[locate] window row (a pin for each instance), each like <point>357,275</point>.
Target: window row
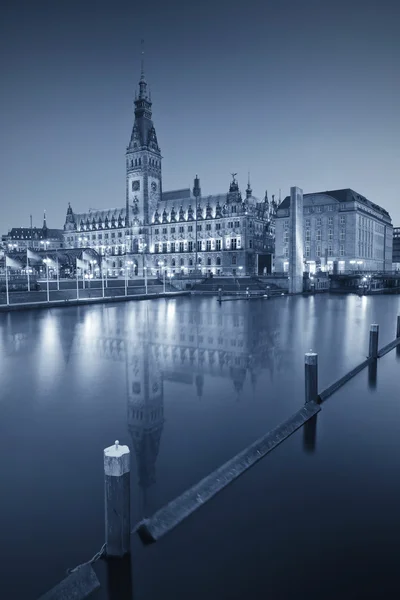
<point>208,227</point>
<point>202,245</point>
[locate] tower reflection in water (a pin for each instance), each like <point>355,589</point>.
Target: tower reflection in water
<point>186,346</point>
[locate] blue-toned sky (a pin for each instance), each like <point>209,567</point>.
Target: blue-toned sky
<point>299,92</point>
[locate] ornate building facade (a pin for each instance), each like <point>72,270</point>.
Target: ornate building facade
<point>225,234</point>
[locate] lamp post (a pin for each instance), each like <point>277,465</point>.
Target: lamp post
<point>127,262</point>
<point>170,275</point>
<point>145,278</point>
<point>57,271</point>
<point>144,246</point>
<point>161,264</point>
<point>46,261</point>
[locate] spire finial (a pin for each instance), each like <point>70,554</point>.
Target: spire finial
<point>249,191</point>
<point>142,60</point>
<point>44,220</point>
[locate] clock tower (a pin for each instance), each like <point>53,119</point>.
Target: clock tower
<point>143,162</point>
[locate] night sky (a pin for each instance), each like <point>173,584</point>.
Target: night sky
<point>297,92</point>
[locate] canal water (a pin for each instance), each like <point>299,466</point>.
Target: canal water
<point>187,383</point>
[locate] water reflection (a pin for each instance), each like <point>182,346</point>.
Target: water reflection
<point>310,435</point>
<point>119,578</point>
<point>372,374</point>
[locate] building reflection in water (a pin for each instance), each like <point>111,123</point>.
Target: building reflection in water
<point>160,342</point>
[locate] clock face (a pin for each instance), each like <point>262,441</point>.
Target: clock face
<point>154,186</point>
<point>135,186</point>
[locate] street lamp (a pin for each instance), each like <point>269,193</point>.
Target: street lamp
<point>127,262</point>
<point>144,246</point>
<point>170,275</point>
<point>240,270</point>
<point>145,278</point>
<point>46,261</point>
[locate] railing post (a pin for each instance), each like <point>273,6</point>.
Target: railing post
<point>398,327</point>
<point>373,341</point>
<point>311,376</point>
<point>117,500</point>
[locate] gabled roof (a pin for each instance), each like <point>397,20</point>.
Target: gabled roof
<point>33,233</point>
<point>176,195</point>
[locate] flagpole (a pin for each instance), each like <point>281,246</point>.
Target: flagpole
<point>47,274</point>
<point>126,281</point>
<point>58,275</point>
<point>7,295</point>
<point>77,281</point>
<point>27,271</point>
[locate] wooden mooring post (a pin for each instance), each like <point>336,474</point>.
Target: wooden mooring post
<point>117,500</point>
<point>373,341</point>
<point>398,327</point>
<point>311,376</point>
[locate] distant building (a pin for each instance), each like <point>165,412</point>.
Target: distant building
<point>396,248</point>
<point>19,239</point>
<point>225,234</point>
<point>342,230</point>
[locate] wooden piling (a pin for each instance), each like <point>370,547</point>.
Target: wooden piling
<point>117,499</point>
<point>311,376</point>
<point>219,295</point>
<point>373,340</point>
<point>398,327</point>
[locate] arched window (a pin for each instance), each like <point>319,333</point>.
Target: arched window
<point>140,162</point>
<point>135,162</point>
<point>132,163</point>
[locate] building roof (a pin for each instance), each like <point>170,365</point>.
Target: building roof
<point>28,233</point>
<point>344,195</point>
<point>177,200</point>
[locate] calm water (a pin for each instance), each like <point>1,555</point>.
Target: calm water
<point>187,383</point>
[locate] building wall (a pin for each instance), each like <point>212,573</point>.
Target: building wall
<point>396,248</point>
<point>349,233</point>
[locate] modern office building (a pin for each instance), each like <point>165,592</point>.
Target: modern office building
<point>341,230</point>
<point>223,234</point>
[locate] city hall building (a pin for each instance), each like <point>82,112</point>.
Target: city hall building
<point>341,230</point>
<point>225,234</point>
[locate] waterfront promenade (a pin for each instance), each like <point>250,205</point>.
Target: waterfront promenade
<point>215,378</point>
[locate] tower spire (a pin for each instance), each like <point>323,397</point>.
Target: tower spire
<point>249,191</point>
<point>44,220</point>
<point>142,82</point>
<point>142,61</point>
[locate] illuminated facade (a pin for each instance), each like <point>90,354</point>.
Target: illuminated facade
<point>341,229</point>
<point>226,234</point>
<point>396,248</point>
<point>19,239</point>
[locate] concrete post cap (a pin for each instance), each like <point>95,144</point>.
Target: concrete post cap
<point>374,327</point>
<point>311,358</point>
